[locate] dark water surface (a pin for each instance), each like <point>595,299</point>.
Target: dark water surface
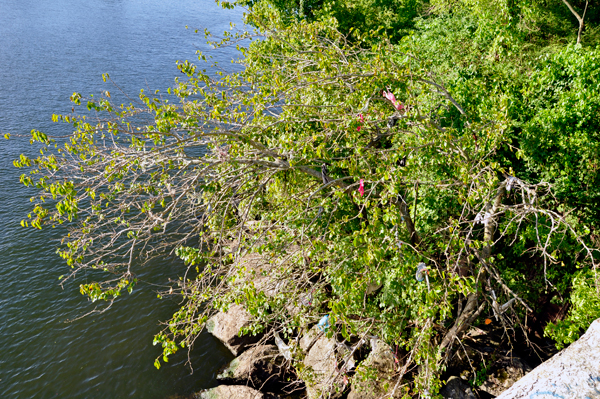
<point>48,50</point>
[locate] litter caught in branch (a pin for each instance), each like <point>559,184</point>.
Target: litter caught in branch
<point>324,323</point>
<point>283,348</point>
<point>482,217</point>
<point>422,274</point>
<point>391,98</point>
<point>306,299</point>
<point>510,182</point>
<point>391,122</point>
<point>324,176</point>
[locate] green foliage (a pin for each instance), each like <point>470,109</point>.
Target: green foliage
<point>391,18</point>
<point>560,133</point>
<point>585,302</point>
<point>482,373</point>
<point>298,188</point>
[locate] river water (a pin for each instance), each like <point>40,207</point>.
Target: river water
<point>48,50</point>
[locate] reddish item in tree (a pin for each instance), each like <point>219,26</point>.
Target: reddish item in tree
<point>361,119</point>
<point>390,96</point>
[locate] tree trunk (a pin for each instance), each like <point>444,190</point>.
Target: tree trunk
<point>580,18</point>
<point>571,373</point>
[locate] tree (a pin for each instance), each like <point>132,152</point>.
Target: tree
<point>394,18</point>
<point>348,167</point>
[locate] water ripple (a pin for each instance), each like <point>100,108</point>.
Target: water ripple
<point>49,50</point>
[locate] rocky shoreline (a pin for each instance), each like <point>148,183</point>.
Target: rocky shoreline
<point>264,371</point>
<point>315,362</point>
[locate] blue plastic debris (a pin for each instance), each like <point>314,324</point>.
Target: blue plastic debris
<point>421,271</point>
<point>324,323</point>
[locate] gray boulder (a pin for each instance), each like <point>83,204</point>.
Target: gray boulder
<point>572,373</point>
<point>259,367</point>
<point>320,372</point>
<point>381,361</point>
<point>226,327</point>
<point>229,392</point>
<point>455,388</point>
<point>253,270</point>
<point>504,374</point>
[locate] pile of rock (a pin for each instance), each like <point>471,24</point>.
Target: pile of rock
<point>256,368</point>
<point>322,367</point>
<point>383,361</point>
<point>325,366</point>
<point>262,370</point>
<point>259,369</point>
<point>572,373</point>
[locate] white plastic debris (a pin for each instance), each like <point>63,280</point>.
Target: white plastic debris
<point>478,218</point>
<point>283,348</point>
<point>347,356</point>
<point>510,182</point>
<point>306,299</point>
<point>350,363</point>
<point>483,218</point>
<point>373,343</point>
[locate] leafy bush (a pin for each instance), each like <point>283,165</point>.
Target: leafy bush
<point>346,165</point>
<point>585,302</point>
